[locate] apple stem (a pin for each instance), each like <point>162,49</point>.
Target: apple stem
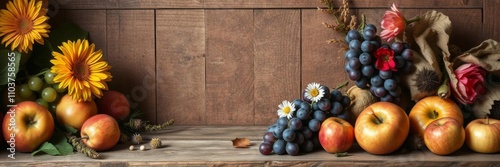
<point>84,137</point>
<point>378,119</point>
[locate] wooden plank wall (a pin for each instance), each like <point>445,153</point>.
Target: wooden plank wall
<point>231,62</point>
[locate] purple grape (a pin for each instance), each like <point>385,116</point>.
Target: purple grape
<point>306,106</point>
<point>307,146</point>
<point>354,74</point>
<point>345,115</point>
<point>390,84</point>
<point>299,138</point>
<point>396,92</point>
<point>278,131</point>
<point>353,34</point>
<point>371,26</point>
<point>387,98</point>
<point>324,104</point>
<point>362,82</point>
<point>336,95</point>
<point>269,137</point>
<point>346,101</point>
<point>282,121</point>
<point>295,124</point>
<point>289,135</point>
<point>366,46</point>
<point>266,148</point>
<point>351,53</point>
<point>319,115</point>
<point>380,91</point>
<point>400,62</point>
<point>408,67</point>
<point>307,132</point>
<point>297,102</point>
<point>314,125</point>
<point>292,148</point>
<point>368,70</point>
<point>354,63</point>
<point>407,54</point>
<point>387,46</point>
<point>365,58</point>
<point>376,81</point>
<point>337,108</point>
<point>279,147</point>
<point>355,44</point>
<point>397,47</point>
<point>302,114</point>
<point>369,34</point>
<point>385,74</point>
<point>375,43</point>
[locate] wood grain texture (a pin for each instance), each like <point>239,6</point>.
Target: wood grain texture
<point>491,22</point>
<point>212,146</point>
<point>218,4</point>
<point>277,61</point>
<point>321,62</point>
<point>467,27</point>
<point>229,67</point>
<point>180,41</point>
<point>92,21</point>
<point>130,39</point>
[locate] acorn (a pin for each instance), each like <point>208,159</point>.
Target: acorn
<point>155,143</point>
<point>427,80</point>
<point>136,138</point>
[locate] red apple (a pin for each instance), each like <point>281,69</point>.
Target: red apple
<point>114,104</point>
<point>73,113</point>
<point>444,136</point>
<point>100,132</point>
<point>483,135</point>
<point>336,135</point>
<point>27,125</point>
<point>432,108</point>
<point>381,128</point>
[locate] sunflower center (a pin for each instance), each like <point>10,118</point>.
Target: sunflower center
<point>286,110</point>
<point>25,25</point>
<point>81,71</point>
<point>314,92</point>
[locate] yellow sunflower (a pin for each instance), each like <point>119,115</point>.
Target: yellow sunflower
<point>81,70</point>
<point>22,24</point>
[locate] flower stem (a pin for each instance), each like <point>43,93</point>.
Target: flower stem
<point>411,20</point>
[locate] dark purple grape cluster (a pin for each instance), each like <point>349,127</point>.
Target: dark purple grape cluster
<point>299,134</point>
<point>361,63</point>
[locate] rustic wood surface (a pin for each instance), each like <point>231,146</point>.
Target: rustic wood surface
<point>212,62</point>
<point>212,146</point>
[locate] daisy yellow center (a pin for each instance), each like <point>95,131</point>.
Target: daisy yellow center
<point>81,71</point>
<point>25,25</point>
<point>314,92</point>
<point>286,110</point>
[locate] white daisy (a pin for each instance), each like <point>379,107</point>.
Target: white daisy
<point>314,92</point>
<point>286,109</point>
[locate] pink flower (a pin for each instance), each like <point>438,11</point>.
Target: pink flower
<point>393,24</point>
<point>385,59</point>
<point>470,83</point>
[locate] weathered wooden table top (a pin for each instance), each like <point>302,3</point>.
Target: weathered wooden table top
<point>212,146</point>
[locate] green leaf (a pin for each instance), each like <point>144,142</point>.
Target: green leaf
<point>48,148</point>
<point>70,129</point>
<point>342,154</point>
<point>57,145</point>
<point>9,66</point>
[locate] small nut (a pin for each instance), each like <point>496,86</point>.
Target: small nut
<point>131,148</point>
<point>142,148</point>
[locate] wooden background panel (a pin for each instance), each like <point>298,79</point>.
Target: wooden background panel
<point>180,46</point>
<point>466,27</point>
<point>92,21</point>
<point>277,61</point>
<point>229,67</point>
<point>490,20</point>
<point>130,41</point>
<point>321,62</point>
<point>250,4</point>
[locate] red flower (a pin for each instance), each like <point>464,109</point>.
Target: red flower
<point>470,83</point>
<point>393,23</point>
<point>385,59</point>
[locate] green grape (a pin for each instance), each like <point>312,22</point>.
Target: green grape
<point>52,107</point>
<point>49,77</point>
<point>35,83</point>
<point>58,90</point>
<point>25,91</point>
<point>49,94</point>
<point>43,103</point>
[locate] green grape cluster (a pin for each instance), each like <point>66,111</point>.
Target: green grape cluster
<point>46,92</point>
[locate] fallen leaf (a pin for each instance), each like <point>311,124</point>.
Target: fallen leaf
<point>241,142</point>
